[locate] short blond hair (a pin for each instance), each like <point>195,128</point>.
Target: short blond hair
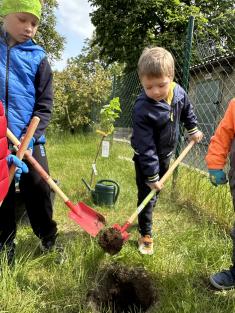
<point>156,62</point>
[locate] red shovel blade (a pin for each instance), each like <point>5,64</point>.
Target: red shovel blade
<point>87,218</point>
<point>124,233</point>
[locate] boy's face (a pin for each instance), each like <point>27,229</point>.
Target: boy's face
<point>156,88</point>
<point>20,26</point>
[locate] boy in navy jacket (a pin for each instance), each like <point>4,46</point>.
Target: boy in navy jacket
<point>26,91</point>
<point>158,110</point>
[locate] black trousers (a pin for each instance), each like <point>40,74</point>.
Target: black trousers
<point>231,177</point>
<point>36,194</point>
<point>145,217</point>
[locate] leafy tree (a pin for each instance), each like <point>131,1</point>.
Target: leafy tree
<point>81,90</point>
<point>47,36</point>
<point>125,27</point>
<point>108,114</point>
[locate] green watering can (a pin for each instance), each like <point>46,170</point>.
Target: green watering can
<point>105,193</point>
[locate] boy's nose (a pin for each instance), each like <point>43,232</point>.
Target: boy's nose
<point>156,91</point>
<point>28,28</point>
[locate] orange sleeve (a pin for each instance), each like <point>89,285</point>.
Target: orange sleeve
<point>220,143</point>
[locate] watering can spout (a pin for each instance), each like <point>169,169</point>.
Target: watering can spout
<point>87,185</point>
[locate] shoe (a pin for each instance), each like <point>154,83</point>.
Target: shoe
<point>223,280</point>
<point>48,246</point>
<point>146,245</point>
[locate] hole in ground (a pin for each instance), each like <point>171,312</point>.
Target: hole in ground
<point>123,290</point>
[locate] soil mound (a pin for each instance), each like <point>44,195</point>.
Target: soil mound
<point>111,240</point>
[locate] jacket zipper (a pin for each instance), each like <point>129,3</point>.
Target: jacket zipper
<point>172,137</point>
<point>7,82</point>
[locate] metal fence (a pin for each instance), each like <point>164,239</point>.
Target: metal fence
<point>206,69</point>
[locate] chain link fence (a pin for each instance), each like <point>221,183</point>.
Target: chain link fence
<point>205,67</point>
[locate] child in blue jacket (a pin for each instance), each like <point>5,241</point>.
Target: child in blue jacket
<point>26,91</point>
<point>158,110</point>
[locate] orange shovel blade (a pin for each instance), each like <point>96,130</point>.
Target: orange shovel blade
<point>87,218</point>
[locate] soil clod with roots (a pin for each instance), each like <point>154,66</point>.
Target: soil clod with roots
<point>111,240</point>
<point>123,290</point>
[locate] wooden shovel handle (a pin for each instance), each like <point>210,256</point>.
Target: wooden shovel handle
<point>38,167</point>
<point>162,180</point>
<point>24,144</point>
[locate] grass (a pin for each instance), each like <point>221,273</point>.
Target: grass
<point>189,244</point>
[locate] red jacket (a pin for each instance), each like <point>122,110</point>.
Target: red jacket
<point>221,142</point>
<point>4,178</point>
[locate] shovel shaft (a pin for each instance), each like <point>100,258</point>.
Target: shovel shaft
<point>87,218</point>
<point>24,144</point>
<point>38,167</point>
<point>162,181</point>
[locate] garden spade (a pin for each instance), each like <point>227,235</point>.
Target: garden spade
<point>86,217</point>
<point>113,238</point>
<point>128,223</point>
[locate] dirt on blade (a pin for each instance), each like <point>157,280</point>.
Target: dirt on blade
<point>111,240</point>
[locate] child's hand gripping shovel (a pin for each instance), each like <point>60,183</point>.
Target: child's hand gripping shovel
<point>112,239</point>
<point>86,217</point>
<point>24,145</point>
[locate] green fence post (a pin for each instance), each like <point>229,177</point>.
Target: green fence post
<point>187,54</point>
<point>185,85</point>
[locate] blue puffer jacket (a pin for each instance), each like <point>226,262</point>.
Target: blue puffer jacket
<point>19,66</point>
<point>156,129</point>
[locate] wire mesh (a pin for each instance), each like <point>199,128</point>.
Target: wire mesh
<point>211,85</point>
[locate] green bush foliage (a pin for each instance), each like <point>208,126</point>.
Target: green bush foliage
<point>80,91</point>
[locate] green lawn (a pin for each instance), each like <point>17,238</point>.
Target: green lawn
<point>189,244</point>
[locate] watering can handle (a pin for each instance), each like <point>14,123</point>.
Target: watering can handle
<point>115,183</point>
<point>86,184</point>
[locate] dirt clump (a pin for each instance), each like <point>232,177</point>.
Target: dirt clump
<point>111,240</point>
<point>123,290</point>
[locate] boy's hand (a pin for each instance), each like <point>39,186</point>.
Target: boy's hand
<point>156,185</point>
<point>21,167</point>
<point>217,177</point>
<point>197,137</point>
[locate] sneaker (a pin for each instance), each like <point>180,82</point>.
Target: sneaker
<point>223,280</point>
<point>47,245</point>
<point>146,244</point>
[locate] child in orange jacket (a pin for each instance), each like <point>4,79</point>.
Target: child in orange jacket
<point>223,143</point>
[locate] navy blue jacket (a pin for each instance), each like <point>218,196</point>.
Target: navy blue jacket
<point>156,129</point>
<point>25,86</point>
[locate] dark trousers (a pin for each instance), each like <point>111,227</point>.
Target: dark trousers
<point>231,177</point>
<point>36,195</point>
<point>145,217</point>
